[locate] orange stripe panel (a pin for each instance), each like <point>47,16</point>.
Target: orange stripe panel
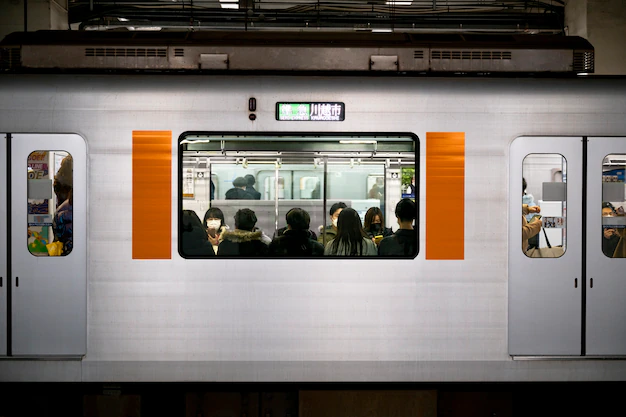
<point>152,194</point>
<point>445,195</point>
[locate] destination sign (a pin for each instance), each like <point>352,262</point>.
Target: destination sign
<point>316,112</point>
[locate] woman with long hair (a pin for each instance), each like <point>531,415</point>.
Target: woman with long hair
<point>351,239</point>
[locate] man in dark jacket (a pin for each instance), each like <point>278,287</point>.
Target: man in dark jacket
<point>242,241</point>
<point>296,240</point>
<point>404,241</point>
<point>250,181</point>
<point>238,192</point>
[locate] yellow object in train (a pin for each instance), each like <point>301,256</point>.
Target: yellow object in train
<point>38,245</point>
<point>55,248</point>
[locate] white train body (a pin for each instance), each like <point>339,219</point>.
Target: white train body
<point>329,319</point>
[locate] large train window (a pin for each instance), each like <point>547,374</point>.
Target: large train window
<point>613,206</point>
<point>544,205</point>
<point>50,208</point>
<point>251,195</point>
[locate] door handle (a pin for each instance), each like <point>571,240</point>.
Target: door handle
<point>575,282</point>
<point>17,281</point>
<point>591,282</point>
<point>0,282</point>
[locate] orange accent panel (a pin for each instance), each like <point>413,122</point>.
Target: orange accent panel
<point>445,195</point>
<point>152,194</point>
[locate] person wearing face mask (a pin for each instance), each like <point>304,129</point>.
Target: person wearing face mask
<point>374,225</point>
<point>330,231</point>
<point>215,226</point>
<point>404,241</point>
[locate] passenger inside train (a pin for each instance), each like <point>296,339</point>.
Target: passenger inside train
<point>330,231</point>
<point>195,242</point>
<point>296,240</point>
<point>612,236</point>
<point>264,175</point>
<point>62,223</point>
<point>351,239</point>
<point>215,226</point>
<point>238,192</point>
<point>250,181</point>
<point>282,230</point>
<point>403,241</point>
<point>374,225</point>
<point>245,240</point>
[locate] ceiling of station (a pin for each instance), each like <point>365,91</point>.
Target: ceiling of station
<point>342,15</point>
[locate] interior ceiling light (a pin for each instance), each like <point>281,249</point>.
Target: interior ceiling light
<point>397,3</point>
<point>229,4</point>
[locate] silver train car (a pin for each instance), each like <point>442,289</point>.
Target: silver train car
<point>481,299</point>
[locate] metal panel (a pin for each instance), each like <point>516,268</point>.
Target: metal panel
<point>214,61</point>
<point>545,294</point>
<point>4,285</point>
<point>49,304</point>
<point>606,311</point>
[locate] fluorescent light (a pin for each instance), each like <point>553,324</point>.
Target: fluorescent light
<point>369,142</point>
<point>382,30</point>
<point>229,4</point>
<point>397,3</point>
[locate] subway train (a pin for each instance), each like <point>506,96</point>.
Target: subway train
<point>512,151</point>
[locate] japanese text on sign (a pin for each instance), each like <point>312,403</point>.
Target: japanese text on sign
<point>333,112</point>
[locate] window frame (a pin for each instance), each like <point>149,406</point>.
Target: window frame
<point>322,136</point>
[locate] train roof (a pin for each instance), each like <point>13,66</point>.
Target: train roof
<point>232,51</point>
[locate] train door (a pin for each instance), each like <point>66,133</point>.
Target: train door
<point>567,280</point>
<point>3,252</point>
<point>545,274</point>
<point>605,286</point>
<point>47,284</point>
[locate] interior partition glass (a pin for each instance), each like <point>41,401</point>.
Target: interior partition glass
<point>614,206</point>
<point>544,205</point>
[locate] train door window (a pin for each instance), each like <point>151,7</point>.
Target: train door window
<point>270,175</point>
<point>50,203</point>
<point>614,206</point>
<point>273,189</point>
<point>544,205</point>
<point>309,188</point>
